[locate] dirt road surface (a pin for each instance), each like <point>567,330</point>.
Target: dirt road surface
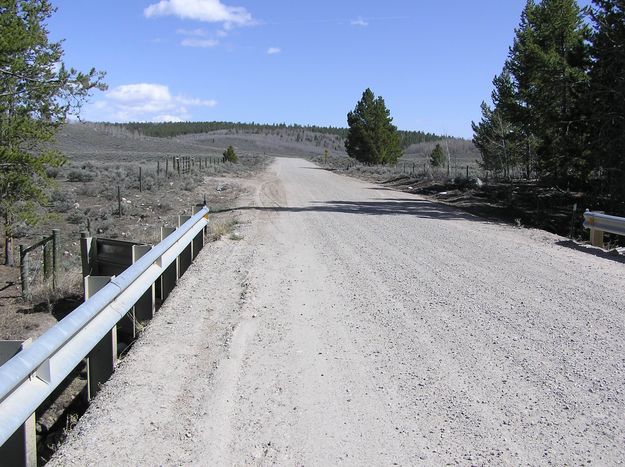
<point>359,326</point>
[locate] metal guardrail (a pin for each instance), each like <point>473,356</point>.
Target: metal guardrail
<point>30,376</point>
<point>598,223</point>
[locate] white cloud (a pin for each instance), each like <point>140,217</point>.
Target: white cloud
<point>145,102</point>
<point>199,32</point>
<point>273,50</point>
<point>197,102</point>
<point>204,43</point>
<point>210,11</point>
<point>167,118</point>
<point>359,22</point>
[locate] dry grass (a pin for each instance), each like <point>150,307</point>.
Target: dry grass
<point>69,284</point>
<point>222,227</point>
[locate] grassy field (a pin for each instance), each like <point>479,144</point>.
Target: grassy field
<point>84,197</point>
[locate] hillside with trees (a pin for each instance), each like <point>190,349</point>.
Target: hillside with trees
<point>173,129</point>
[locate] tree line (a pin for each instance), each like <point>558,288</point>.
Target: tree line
<point>172,129</point>
<point>558,105</point>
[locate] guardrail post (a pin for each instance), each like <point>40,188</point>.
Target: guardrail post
<point>24,271</point>
<point>170,274</point>
<point>86,253</point>
<point>596,235</point>
<point>101,361</point>
<point>186,256</point>
<point>21,448</point>
<point>144,308</point>
<point>198,241</point>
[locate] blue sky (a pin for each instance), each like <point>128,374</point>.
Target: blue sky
<point>289,61</point>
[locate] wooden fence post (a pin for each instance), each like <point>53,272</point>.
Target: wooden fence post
<point>119,201</point>
<point>140,180</point>
<point>56,257</point>
<point>24,271</point>
<point>47,260</point>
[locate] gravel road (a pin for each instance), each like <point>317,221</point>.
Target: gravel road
<point>362,326</point>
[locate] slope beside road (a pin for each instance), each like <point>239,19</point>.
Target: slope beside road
<point>358,325</point>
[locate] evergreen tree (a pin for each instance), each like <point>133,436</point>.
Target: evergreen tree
<point>36,94</point>
<point>607,93</point>
<point>372,138</point>
<point>497,137</point>
<point>437,157</point>
<point>548,63</point>
<point>230,155</point>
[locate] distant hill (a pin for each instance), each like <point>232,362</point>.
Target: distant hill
<point>172,129</point>
<point>134,141</point>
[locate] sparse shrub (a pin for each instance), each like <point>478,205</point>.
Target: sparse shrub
<point>20,229</point>
<point>61,201</point>
<point>87,190</point>
<point>76,217</point>
<point>188,184</point>
<point>103,225</point>
<point>80,175</point>
<point>109,192</point>
<point>164,207</point>
<point>52,172</point>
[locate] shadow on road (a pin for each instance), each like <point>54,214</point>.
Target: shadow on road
<point>386,207</point>
<point>592,251</point>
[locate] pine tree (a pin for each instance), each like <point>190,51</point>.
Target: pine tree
<point>497,137</point>
<point>548,63</point>
<point>437,157</point>
<point>607,93</point>
<point>230,155</point>
<point>372,138</point>
<point>36,94</point>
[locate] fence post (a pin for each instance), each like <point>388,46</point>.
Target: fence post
<point>467,172</point>
<point>119,201</point>
<point>158,168</point>
<point>24,271</point>
<point>56,257</point>
<point>140,180</point>
<point>47,259</point>
<point>178,165</point>
<point>166,167</point>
